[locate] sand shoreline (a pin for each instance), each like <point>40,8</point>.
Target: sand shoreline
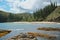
<point>38,22</point>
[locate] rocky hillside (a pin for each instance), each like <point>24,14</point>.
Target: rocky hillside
<point>54,16</point>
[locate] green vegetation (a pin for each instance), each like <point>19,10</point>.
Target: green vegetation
<point>10,17</point>
<point>54,16</point>
<point>48,13</point>
<point>41,14</point>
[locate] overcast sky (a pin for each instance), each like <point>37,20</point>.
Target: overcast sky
<point>18,6</point>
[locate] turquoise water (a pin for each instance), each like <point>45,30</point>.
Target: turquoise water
<point>18,28</point>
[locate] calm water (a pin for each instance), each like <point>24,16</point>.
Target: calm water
<point>18,28</point>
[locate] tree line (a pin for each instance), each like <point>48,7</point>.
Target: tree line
<point>39,15</point>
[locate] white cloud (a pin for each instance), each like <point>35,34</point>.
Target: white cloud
<point>15,5</point>
<point>38,4</point>
<point>46,3</point>
<point>28,4</point>
<point>58,4</point>
<point>1,9</point>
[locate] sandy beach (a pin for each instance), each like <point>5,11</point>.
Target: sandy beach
<point>38,22</point>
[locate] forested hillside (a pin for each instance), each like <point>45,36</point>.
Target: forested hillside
<point>40,15</point>
<point>55,15</point>
<point>10,17</point>
<point>48,13</point>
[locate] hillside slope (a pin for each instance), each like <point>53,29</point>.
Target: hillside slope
<point>54,16</point>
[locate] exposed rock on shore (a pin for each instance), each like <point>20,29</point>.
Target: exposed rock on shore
<point>32,36</point>
<point>23,36</point>
<point>49,29</point>
<point>4,32</point>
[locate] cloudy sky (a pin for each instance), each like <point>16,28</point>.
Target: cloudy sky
<point>18,6</point>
